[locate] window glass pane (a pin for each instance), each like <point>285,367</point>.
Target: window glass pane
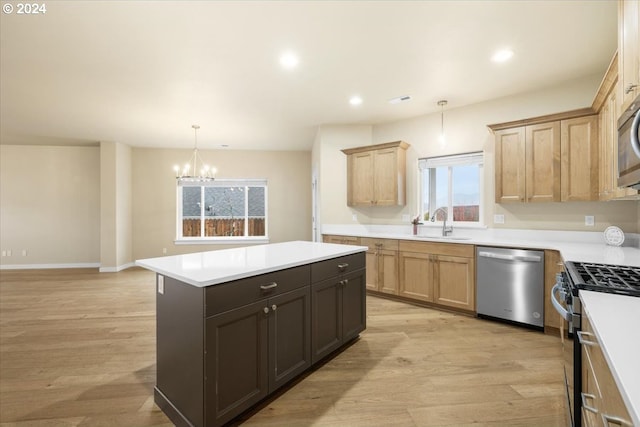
<point>442,192</point>
<point>466,193</point>
<point>257,211</point>
<point>224,211</point>
<point>425,195</point>
<point>191,211</point>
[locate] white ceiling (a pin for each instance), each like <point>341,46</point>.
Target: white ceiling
<point>142,72</point>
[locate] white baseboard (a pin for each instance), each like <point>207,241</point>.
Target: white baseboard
<point>48,266</point>
<point>116,269</point>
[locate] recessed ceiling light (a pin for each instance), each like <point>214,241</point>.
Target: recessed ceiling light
<point>355,100</point>
<point>502,55</point>
<point>289,60</point>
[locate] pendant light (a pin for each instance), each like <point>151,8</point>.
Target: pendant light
<point>189,172</point>
<point>442,139</point>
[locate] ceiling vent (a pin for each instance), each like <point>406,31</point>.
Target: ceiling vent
<point>400,99</point>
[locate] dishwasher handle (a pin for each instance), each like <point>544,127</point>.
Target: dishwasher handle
<point>527,258</point>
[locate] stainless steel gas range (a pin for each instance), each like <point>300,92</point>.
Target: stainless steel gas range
<point>566,300</point>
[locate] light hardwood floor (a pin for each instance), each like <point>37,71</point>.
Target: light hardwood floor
<point>77,348</point>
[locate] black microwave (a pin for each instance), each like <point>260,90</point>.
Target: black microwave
<point>629,147</point>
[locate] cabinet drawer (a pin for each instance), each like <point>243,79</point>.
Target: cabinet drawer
<point>451,249</point>
<point>227,296</point>
<point>373,244</point>
<point>333,267</point>
<point>342,240</point>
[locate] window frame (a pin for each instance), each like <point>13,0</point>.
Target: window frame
<point>202,239</point>
<point>450,161</point>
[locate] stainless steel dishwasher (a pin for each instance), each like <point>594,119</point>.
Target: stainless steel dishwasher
<point>510,285</point>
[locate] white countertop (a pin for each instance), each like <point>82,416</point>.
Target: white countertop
<point>213,267</point>
<point>615,320</point>
<point>573,246</point>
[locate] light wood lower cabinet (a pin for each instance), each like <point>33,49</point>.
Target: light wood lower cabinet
<point>382,265</point>
<point>603,404</point>
<point>552,266</point>
<point>441,273</point>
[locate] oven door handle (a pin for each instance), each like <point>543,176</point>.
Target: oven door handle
<point>556,304</point>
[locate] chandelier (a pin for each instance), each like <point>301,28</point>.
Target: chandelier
<point>189,173</point>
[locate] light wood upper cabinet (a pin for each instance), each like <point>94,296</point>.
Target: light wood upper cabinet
<point>528,163</point>
<point>510,165</point>
<point>542,155</point>
<point>628,52</point>
<point>579,159</point>
<point>376,174</point>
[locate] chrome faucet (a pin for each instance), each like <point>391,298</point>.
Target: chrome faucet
<point>445,230</point>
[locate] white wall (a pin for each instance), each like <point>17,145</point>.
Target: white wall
<point>288,175</point>
<point>466,130</point>
<point>115,206</point>
<point>50,205</point>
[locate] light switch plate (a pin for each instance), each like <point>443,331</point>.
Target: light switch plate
<point>406,218</point>
<point>589,220</point>
<point>160,284</point>
<point>354,217</point>
<point>498,219</point>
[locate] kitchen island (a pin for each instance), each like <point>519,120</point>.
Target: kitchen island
<point>235,325</point>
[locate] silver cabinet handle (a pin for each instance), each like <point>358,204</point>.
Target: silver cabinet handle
<point>345,282</point>
<point>266,310</point>
<point>343,266</point>
<point>269,286</point>
<point>630,87</point>
<point>610,419</point>
<point>274,307</point>
<point>586,396</point>
<point>584,341</point>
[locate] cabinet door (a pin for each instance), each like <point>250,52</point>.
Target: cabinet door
<point>289,336</point>
<point>326,318</point>
<point>543,162</point>
<point>416,276</point>
<point>385,177</point>
<point>579,159</point>
<point>354,314</point>
<point>454,279</point>
<point>235,361</point>
<point>510,165</point>
<point>362,169</point>
<point>628,51</point>
<point>372,269</point>
<point>606,122</point>
<point>387,272</point>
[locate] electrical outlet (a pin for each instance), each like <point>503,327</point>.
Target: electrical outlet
<point>164,251</point>
<point>24,252</point>
<point>589,220</point>
<point>498,219</point>
<point>160,284</point>
<point>354,217</point>
<point>4,253</point>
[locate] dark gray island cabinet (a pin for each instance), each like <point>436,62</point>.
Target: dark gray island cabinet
<point>225,346</point>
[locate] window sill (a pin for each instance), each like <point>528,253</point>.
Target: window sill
<point>222,241</point>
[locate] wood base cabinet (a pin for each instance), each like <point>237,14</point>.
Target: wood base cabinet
<point>441,273</point>
<point>602,403</point>
<point>221,349</point>
<point>339,305</point>
<point>382,265</point>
